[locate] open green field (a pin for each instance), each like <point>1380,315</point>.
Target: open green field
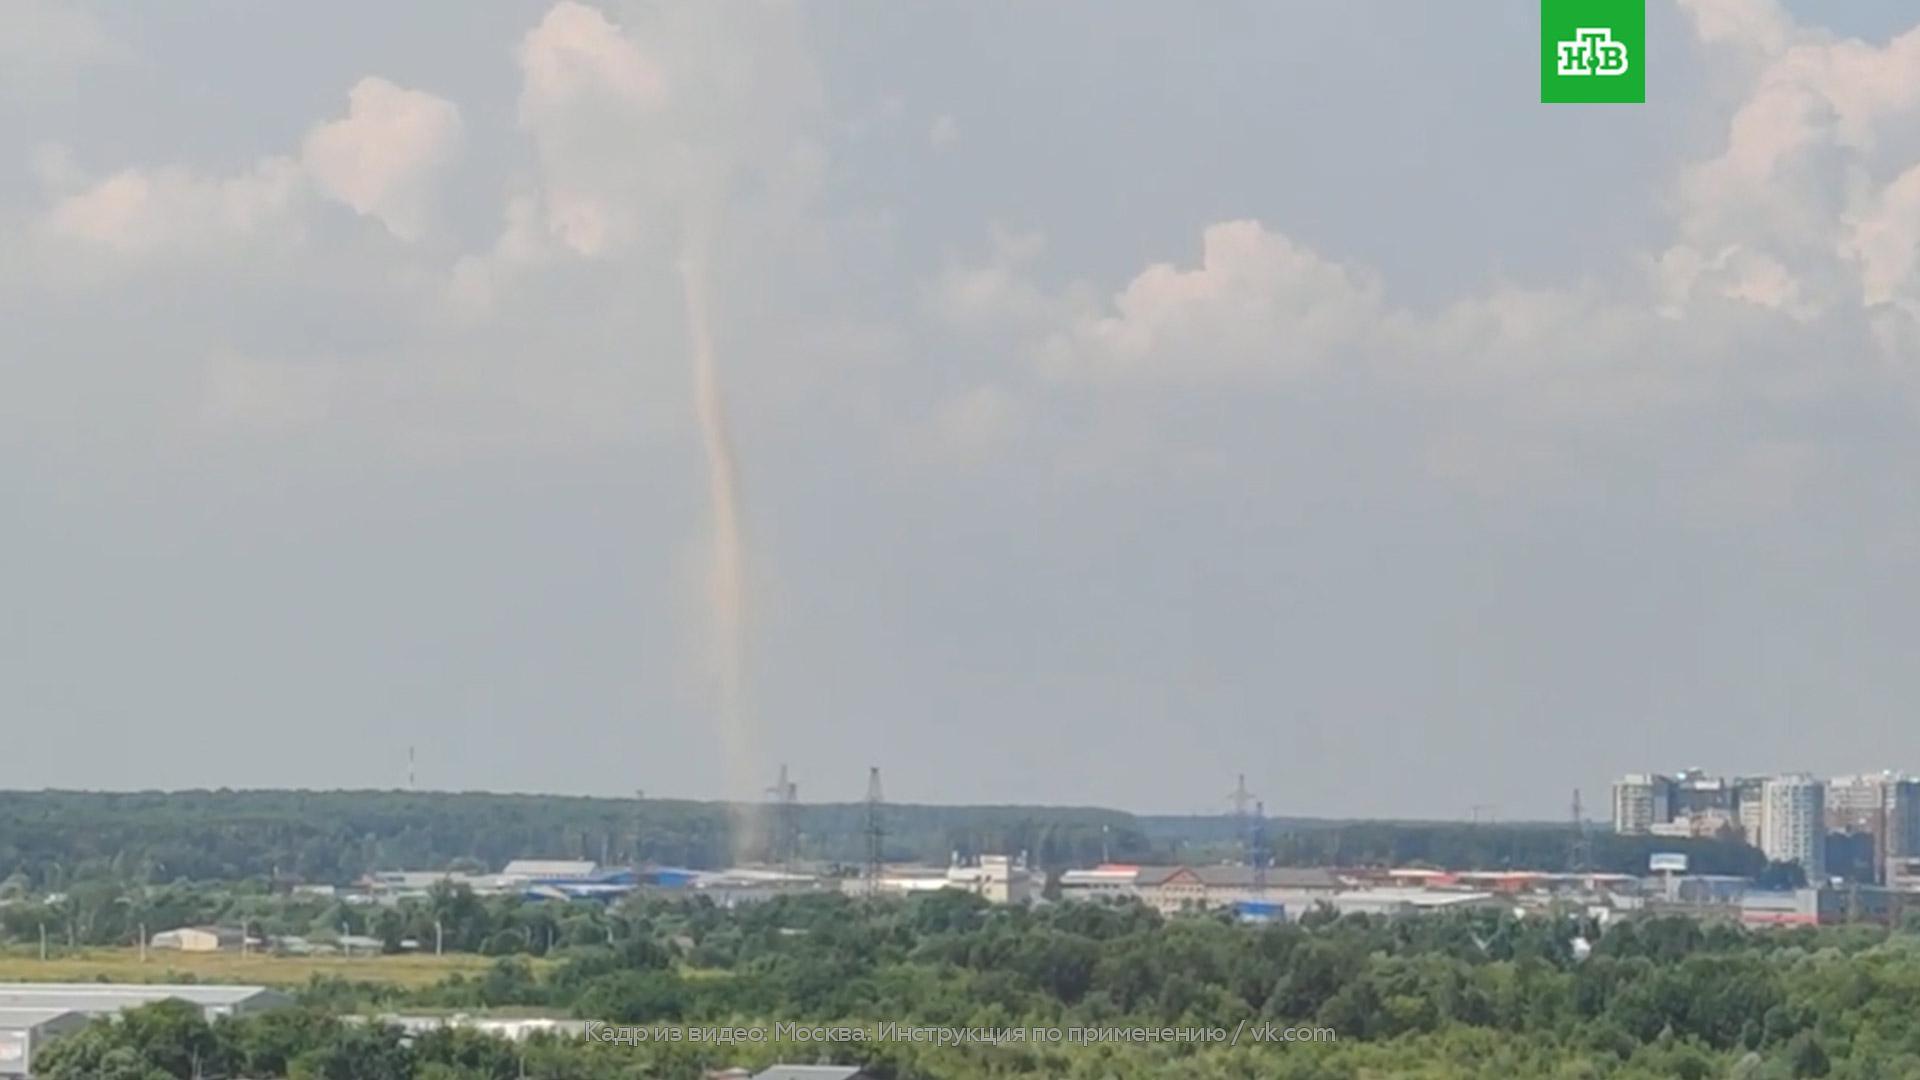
<point>124,965</point>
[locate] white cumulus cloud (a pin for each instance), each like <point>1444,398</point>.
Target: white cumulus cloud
<point>384,158</point>
<point>1257,304</point>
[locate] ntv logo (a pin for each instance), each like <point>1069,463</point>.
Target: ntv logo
<point>1593,52</point>
<point>1582,39</point>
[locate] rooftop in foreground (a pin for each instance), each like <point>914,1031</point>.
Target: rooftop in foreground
<point>111,997</point>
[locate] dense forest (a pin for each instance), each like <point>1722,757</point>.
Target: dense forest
<point>52,838</point>
<point>1465,995</point>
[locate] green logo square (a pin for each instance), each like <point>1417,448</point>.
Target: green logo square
<point>1593,50</point>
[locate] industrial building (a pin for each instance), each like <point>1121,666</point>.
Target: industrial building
<point>34,1014</point>
<point>100,999</point>
<point>550,870</point>
<point>1104,882</point>
<point>734,887</point>
<point>1395,901</point>
<point>510,1028</point>
<point>1279,892</point>
<point>536,879</point>
<point>25,1030</point>
<point>1000,879</point>
<point>201,939</point>
<point>813,1072</point>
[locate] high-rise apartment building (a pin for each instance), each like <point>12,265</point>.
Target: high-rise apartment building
<point>1703,805</point>
<point>1641,801</point>
<point>1750,806</point>
<point>1794,822</point>
<point>1884,806</point>
<point>1902,838</point>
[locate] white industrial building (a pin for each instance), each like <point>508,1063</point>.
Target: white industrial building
<point>511,1028</point>
<point>750,885</point>
<point>1000,879</point>
<point>202,939</point>
<point>389,886</point>
<point>549,870</point>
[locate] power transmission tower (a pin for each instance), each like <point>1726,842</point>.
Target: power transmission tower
<point>1579,860</point>
<point>786,836</point>
<point>876,832</point>
<point>1241,798</point>
<point>1250,830</point>
<point>1242,801</point>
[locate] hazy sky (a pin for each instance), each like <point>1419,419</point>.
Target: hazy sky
<point>1126,394</point>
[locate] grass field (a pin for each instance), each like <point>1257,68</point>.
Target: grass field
<point>123,965</point>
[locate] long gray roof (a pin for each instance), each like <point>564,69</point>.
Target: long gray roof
<point>1232,876</point>
<point>95,998</point>
<point>811,1072</point>
<point>19,1019</point>
<point>1278,877</point>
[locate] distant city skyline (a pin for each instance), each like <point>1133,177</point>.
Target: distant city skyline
<point>1864,824</point>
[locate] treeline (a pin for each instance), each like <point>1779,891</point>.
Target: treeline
<point>1463,995</point>
<point>51,839</point>
<point>103,912</point>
